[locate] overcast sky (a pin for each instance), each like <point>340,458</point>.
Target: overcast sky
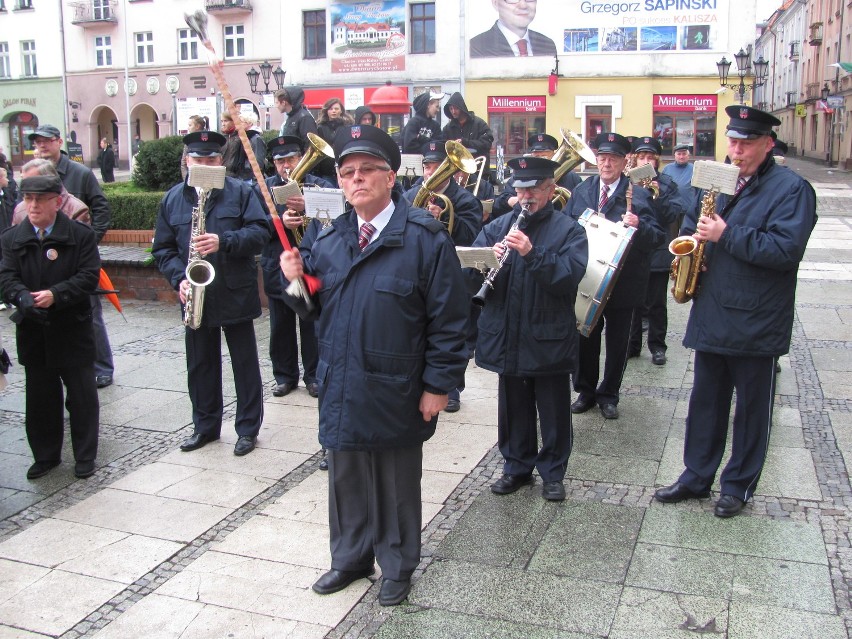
<point>765,8</point>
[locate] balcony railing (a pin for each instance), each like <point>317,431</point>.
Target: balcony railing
<point>794,50</point>
<point>815,38</point>
<point>813,91</point>
<point>231,6</point>
<point>86,13</point>
<point>791,98</point>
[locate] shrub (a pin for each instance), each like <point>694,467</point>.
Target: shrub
<point>158,164</point>
<point>134,211</point>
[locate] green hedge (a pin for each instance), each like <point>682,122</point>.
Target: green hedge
<point>134,211</point>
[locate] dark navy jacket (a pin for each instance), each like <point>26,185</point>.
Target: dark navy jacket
<point>527,326</point>
<point>467,211</point>
<point>569,180</point>
<point>745,300</point>
<point>669,206</point>
<point>630,288</point>
<point>235,215</point>
<point>392,323</point>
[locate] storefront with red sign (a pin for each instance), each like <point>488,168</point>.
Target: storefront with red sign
<point>686,119</point>
<point>513,118</point>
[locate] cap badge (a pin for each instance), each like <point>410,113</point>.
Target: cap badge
<point>433,146</point>
<point>646,140</point>
<point>611,137</point>
<point>356,132</point>
<point>743,114</point>
<point>204,137</point>
<point>540,138</point>
<point>522,164</point>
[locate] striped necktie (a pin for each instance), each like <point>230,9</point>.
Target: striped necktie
<point>40,234</point>
<point>604,196</point>
<point>741,182</point>
<point>364,234</point>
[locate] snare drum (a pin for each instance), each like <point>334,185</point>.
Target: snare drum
<point>608,246</point>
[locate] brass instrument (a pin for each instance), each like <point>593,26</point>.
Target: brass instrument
<point>317,151</point>
<point>572,151</point>
<point>488,284</point>
<point>689,255</point>
<point>458,159</point>
<point>199,272</point>
<point>644,176</point>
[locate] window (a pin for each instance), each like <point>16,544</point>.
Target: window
<point>235,41</point>
<point>144,47</point>
<point>2,5</point>
<point>5,68</point>
<point>511,131</point>
<point>423,28</point>
<point>697,129</point>
<point>314,34</point>
<point>103,51</point>
<point>28,58</point>
<point>101,10</point>
<point>24,4</point>
<point>187,45</point>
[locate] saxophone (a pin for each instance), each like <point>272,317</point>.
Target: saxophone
<point>689,255</point>
<point>199,272</point>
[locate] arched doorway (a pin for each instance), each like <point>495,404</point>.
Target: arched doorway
<point>21,124</point>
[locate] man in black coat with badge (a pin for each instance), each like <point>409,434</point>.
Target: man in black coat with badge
<point>236,231</point>
<point>742,317</point>
<point>50,268</point>
<point>607,193</point>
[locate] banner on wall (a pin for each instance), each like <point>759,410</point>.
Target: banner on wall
<point>368,36</point>
<point>595,26</point>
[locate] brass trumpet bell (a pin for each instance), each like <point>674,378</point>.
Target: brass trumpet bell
<point>458,159</point>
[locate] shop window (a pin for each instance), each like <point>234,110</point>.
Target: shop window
<point>696,129</point>
<point>313,27</point>
<point>423,27</point>
<point>511,131</point>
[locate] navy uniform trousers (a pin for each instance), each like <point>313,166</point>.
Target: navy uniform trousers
<point>375,511</point>
<point>617,322</point>
<point>517,437</point>
<point>204,372</point>
<point>716,377</point>
<point>284,348</point>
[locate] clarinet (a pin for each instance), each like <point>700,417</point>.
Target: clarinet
<point>488,284</point>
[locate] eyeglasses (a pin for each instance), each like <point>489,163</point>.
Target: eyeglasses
<point>348,172</point>
<point>38,197</point>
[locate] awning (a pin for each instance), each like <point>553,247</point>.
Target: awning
<point>845,66</point>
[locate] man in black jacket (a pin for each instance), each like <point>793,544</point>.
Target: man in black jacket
<point>422,128</point>
<point>49,271</point>
<point>80,182</point>
<point>467,128</point>
<point>299,122</point>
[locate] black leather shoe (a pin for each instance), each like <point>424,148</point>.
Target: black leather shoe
<point>337,580</point>
<point>313,389</point>
<point>658,358</point>
<point>83,469</point>
<point>777,365</point>
<point>582,404</point>
<point>553,491</point>
<point>283,389</point>
<point>393,592</point>
<point>196,441</point>
<point>323,464</point>
<point>453,406</point>
<point>508,484</point>
<point>728,506</point>
<point>678,492</point>
<point>245,444</point>
<point>102,381</point>
<point>609,411</point>
<point>40,469</point>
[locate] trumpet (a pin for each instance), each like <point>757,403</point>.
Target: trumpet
<point>458,159</point>
<point>488,284</point>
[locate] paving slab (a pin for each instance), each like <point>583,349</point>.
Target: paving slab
<point>295,542</point>
<point>643,614</point>
<point>749,620</point>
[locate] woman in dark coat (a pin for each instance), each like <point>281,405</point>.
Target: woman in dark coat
<point>332,117</point>
<point>106,160</point>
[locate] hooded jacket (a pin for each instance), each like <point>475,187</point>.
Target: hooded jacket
<point>474,133</point>
<point>359,113</point>
<point>299,121</point>
<point>420,128</point>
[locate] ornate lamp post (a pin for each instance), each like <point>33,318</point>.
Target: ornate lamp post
<point>265,72</point>
<point>744,68</point>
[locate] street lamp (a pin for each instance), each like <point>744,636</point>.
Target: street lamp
<point>744,68</point>
<point>825,93</point>
<point>265,72</point>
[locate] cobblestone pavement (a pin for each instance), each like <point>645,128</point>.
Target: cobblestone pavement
<point>195,545</point>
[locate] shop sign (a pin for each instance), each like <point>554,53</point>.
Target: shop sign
<point>517,104</point>
<point>685,102</point>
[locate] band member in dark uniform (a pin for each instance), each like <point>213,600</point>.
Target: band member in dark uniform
<point>467,211</point>
<point>392,312</point>
<point>527,330</point>
<point>539,145</point>
<point>50,268</point>
<point>669,206</point>
<point>286,153</point>
<point>607,193</point>
<point>236,231</point>
<point>742,317</point>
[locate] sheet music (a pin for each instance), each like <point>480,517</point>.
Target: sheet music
<point>411,165</point>
<point>480,258</point>
<point>716,176</point>
<point>324,204</point>
<point>281,193</point>
<point>641,173</point>
<point>202,176</point>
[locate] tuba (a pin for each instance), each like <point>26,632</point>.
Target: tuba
<point>689,255</point>
<point>199,272</point>
<point>458,159</point>
<point>571,152</point>
<point>317,151</point>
